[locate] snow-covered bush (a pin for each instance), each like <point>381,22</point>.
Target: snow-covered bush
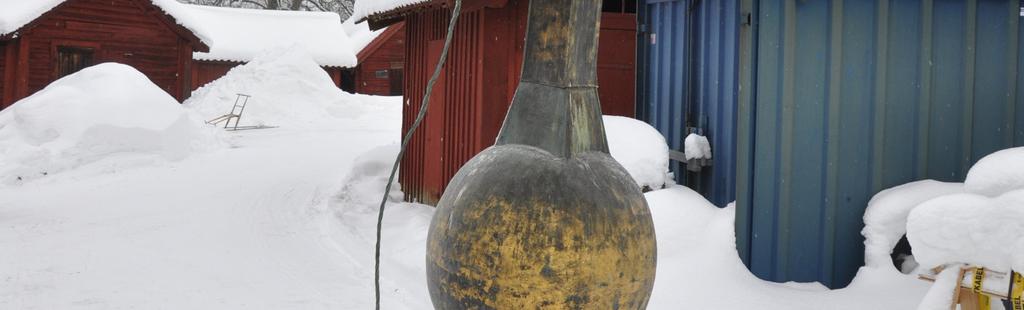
<point>885,220</point>
<point>100,112</point>
<point>997,173</point>
<point>967,228</point>
<point>640,148</point>
<point>983,226</point>
<point>288,89</point>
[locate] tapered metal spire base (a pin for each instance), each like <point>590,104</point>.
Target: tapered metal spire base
<point>546,218</point>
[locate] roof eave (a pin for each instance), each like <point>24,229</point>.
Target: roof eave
<point>387,18</point>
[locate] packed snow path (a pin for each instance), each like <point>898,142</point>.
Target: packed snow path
<point>234,229</point>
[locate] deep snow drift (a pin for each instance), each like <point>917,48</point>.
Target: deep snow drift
<point>108,113</point>
<point>288,89</point>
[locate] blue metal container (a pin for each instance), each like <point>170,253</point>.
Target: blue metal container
<point>851,97</point>
<point>813,106</point>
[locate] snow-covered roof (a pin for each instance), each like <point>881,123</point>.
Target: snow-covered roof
<point>241,34</point>
<point>365,8</point>
<point>232,34</point>
<point>18,13</point>
<point>360,34</point>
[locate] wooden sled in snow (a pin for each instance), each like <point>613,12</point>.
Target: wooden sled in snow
<point>978,286</point>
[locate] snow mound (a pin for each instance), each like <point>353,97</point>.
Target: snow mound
<point>697,147</point>
<point>997,173</point>
<point>288,89</point>
<point>640,148</point>
<point>105,110</point>
<point>360,34</point>
<point>968,228</point>
<point>885,220</point>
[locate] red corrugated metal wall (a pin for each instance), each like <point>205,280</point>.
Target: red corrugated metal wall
<point>426,167</point>
<point>472,97</point>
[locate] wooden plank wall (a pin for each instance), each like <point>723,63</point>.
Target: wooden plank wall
<point>3,73</point>
<point>8,76</point>
<point>389,56</point>
<point>204,72</point>
<point>121,31</point>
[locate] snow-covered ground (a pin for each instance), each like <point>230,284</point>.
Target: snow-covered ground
<point>284,218</point>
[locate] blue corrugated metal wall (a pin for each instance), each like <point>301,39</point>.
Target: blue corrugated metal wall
<point>812,107</point>
<point>687,78</point>
<point>854,96</point>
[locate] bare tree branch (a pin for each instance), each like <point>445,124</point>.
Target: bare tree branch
<point>342,7</point>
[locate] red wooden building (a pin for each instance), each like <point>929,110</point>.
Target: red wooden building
<point>179,47</point>
<point>381,68</point>
<point>74,34</point>
<point>473,94</point>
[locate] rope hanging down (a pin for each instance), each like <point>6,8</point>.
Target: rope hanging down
<point>405,142</point>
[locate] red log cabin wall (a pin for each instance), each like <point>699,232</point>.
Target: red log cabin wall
<point>123,31</point>
<point>381,64</point>
<point>9,80</point>
<point>204,72</point>
<point>472,96</point>
<point>3,74</point>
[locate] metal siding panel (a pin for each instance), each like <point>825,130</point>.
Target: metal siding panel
<point>901,96</point>
<point>719,107</point>
<point>744,119</point>
<point>706,74</point>
<point>831,156</point>
<point>944,162</point>
<point>1019,108</point>
<point>855,96</point>
<point>808,120</point>
<point>991,89</point>
<point>765,204</point>
<point>889,92</point>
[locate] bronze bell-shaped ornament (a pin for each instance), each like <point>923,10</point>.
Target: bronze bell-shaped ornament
<point>546,218</point>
